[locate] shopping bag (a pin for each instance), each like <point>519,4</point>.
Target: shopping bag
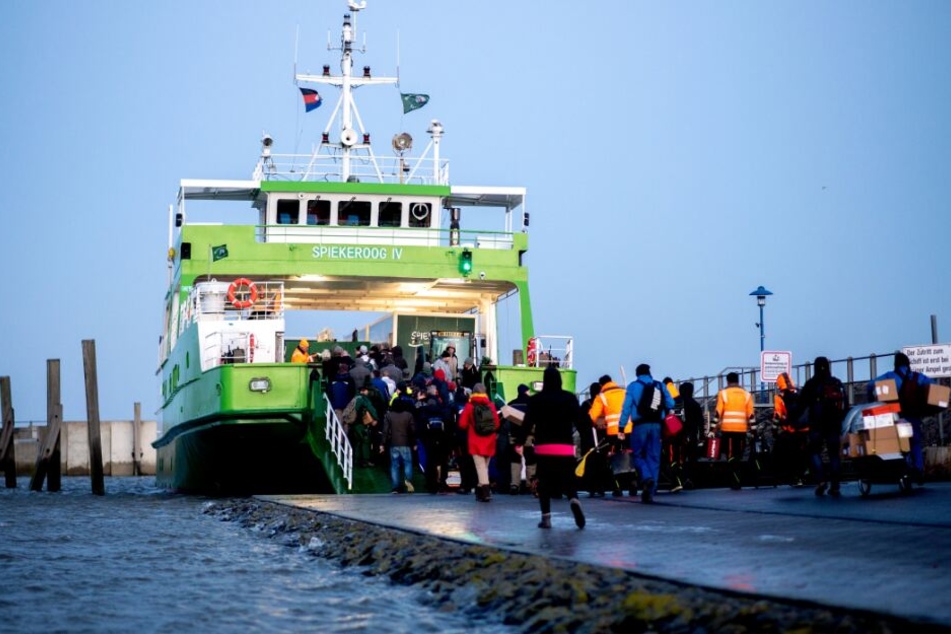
<point>672,426</point>
<point>713,448</point>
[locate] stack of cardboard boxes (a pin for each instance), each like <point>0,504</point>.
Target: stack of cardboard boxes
<point>882,432</point>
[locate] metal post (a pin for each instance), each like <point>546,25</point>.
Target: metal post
<point>934,329</point>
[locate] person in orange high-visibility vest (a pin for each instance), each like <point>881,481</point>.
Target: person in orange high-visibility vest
<point>607,406</point>
<point>734,410</point>
<point>790,455</point>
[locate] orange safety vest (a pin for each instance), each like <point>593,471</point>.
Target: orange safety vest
<point>734,407</point>
<point>609,404</point>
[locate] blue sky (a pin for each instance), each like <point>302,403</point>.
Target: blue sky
<point>677,155</point>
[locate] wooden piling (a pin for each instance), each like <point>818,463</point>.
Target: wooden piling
<point>92,417</point>
<point>7,456</point>
<point>48,458</point>
<point>137,440</point>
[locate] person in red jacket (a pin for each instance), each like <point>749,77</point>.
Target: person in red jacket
<point>481,446</point>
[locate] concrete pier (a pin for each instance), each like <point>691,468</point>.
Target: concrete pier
<point>888,553</point>
<point>117,438</point>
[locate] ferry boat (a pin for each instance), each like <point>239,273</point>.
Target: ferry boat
<point>340,229</point>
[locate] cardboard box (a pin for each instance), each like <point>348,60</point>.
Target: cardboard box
<point>855,447</point>
<point>939,395</point>
<point>514,416</point>
<point>905,432</point>
<point>882,440</point>
<point>880,416</point>
<point>886,391</point>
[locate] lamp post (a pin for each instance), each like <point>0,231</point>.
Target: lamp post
<point>761,293</point>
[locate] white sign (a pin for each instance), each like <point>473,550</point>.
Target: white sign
<point>773,363</point>
<point>933,360</point>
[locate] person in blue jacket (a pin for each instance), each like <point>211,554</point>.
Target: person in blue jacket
<point>646,432</point>
<point>912,406</point>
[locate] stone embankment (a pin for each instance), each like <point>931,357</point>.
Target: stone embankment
<point>539,594</point>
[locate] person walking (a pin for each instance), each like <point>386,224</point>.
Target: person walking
<point>791,453</point>
<point>399,436</point>
<point>552,416</point>
<point>734,411</point>
<point>481,421</point>
<point>607,406</point>
<point>515,447</point>
<point>646,403</point>
<point>825,402</point>
<point>693,433</point>
<point>910,386</point>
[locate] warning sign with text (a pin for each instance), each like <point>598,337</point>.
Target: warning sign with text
<point>773,363</point>
<point>933,360</point>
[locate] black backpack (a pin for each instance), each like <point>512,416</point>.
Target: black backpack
<point>829,409</point>
<point>650,409</point>
<point>911,396</point>
<point>482,419</point>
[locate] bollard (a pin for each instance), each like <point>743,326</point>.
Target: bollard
<point>137,440</point>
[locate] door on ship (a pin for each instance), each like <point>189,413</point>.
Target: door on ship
<point>439,340</point>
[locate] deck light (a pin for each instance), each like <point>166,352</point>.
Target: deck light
<point>366,72</point>
<point>325,138</point>
<point>465,262</point>
<point>326,70</point>
<point>366,138</point>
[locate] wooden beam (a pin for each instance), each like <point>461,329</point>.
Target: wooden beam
<point>92,417</point>
<point>50,444</point>
<point>137,440</point>
<point>7,455</point>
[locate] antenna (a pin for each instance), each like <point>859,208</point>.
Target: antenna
<point>296,43</point>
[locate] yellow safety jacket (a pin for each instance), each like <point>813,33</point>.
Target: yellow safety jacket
<point>734,407</point>
<point>299,356</point>
<point>609,404</point>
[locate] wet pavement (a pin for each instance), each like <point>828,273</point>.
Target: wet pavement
<point>886,553</point>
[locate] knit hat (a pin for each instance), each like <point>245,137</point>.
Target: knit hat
<point>478,388</point>
<point>522,389</point>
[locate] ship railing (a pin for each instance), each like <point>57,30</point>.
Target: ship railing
<point>553,350</point>
<point>339,443</point>
<point>363,168</point>
<point>385,236</point>
<point>210,301</point>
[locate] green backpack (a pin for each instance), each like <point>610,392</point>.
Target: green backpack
<point>483,419</point>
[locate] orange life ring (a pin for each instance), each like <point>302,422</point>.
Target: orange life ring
<point>252,290</point>
<point>532,351</point>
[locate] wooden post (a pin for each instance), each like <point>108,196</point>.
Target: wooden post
<point>50,445</point>
<point>92,417</point>
<point>137,440</point>
<point>7,456</point>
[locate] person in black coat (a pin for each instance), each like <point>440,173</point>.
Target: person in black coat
<point>552,416</point>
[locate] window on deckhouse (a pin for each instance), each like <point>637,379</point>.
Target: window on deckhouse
<point>354,213</point>
<point>288,212</point>
<point>318,212</point>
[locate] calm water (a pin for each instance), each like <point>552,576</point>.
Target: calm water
<point>142,560</point>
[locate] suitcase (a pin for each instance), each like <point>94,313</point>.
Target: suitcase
<point>713,448</point>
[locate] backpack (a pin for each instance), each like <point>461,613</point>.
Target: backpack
<point>650,409</point>
<point>349,415</point>
<point>829,410</point>
<point>911,396</point>
<point>483,422</point>
<point>435,424</point>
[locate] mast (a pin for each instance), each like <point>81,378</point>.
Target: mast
<point>351,139</point>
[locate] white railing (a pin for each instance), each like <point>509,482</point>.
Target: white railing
<point>339,443</point>
<point>363,168</point>
<point>385,236</point>
<point>556,350</point>
<point>210,300</point>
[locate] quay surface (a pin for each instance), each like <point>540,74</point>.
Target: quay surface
<point>888,553</point>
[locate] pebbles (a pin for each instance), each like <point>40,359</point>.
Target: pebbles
<point>537,594</point>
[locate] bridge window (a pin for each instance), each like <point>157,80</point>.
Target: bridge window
<point>354,213</point>
<point>288,212</point>
<point>318,212</point>
<point>420,214</point>
<point>391,214</point>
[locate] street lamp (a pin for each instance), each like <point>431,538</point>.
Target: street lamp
<point>761,293</point>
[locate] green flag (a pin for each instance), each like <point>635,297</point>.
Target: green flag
<point>219,252</point>
<point>413,101</point>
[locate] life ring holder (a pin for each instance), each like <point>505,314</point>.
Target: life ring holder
<point>242,303</point>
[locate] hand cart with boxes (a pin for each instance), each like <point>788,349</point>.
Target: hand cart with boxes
<point>878,441</point>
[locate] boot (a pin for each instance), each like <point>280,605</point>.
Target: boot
<point>478,493</point>
<point>487,493</point>
<point>577,512</point>
<point>546,521</point>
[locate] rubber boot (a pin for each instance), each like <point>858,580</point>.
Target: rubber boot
<point>546,521</point>
<point>478,493</point>
<point>487,493</point>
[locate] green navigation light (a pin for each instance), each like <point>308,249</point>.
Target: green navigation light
<point>465,262</point>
